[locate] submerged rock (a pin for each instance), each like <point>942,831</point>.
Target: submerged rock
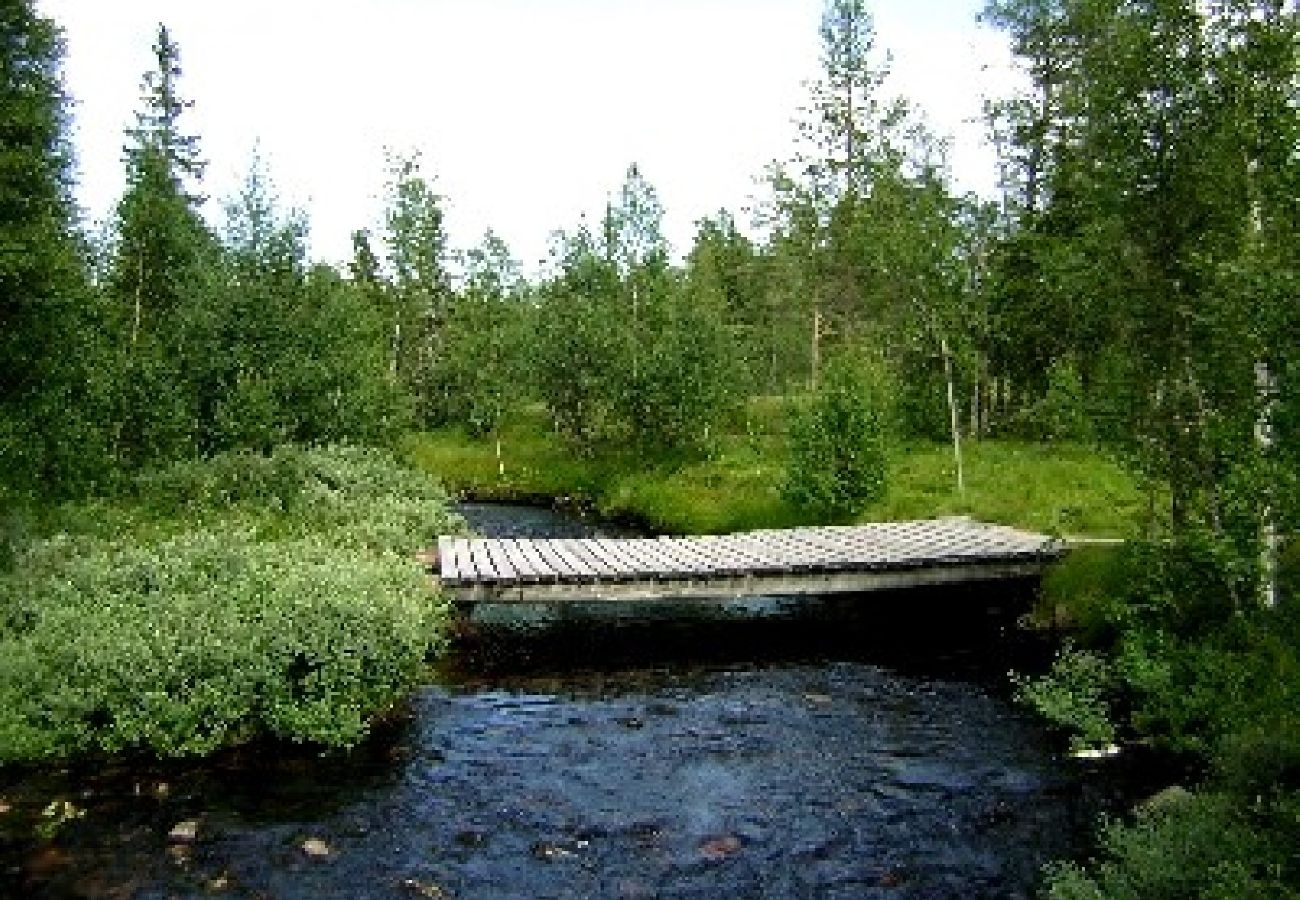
<point>316,848</point>
<point>186,832</point>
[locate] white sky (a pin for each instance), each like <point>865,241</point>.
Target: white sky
<point>526,112</point>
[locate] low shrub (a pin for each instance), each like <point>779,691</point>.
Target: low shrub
<point>355,496</point>
<point>838,462</point>
<point>1075,696</point>
<point>1210,846</point>
<point>241,596</point>
<point>204,640</point>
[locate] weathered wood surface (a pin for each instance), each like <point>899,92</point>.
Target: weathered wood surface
<point>792,561</point>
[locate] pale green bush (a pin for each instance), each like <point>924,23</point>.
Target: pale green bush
<point>226,599</point>
<point>204,640</point>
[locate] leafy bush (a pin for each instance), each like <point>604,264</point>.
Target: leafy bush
<point>1062,412</point>
<point>203,640</point>
<point>1191,693</point>
<point>837,446</point>
<point>293,610</point>
<point>1074,695</point>
<point>1209,846</point>
<point>357,497</point>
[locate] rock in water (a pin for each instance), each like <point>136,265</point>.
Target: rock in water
<point>315,848</point>
<point>186,832</point>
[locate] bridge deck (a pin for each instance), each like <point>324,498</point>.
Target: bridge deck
<point>794,561</point>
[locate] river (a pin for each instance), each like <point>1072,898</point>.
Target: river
<point>859,748</point>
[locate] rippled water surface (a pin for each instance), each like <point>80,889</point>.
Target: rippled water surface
<point>838,751</point>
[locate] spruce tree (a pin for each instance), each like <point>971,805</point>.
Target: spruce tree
<point>160,274</point>
<point>49,385</point>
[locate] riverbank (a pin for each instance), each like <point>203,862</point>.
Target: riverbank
<point>1056,488</point>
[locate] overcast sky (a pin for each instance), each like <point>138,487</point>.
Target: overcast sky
<point>526,112</point>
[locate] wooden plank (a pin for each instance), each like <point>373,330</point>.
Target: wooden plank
<point>723,558</point>
<point>484,570</point>
<point>616,567</point>
<point>447,558</point>
<point>615,552</point>
<point>542,568</point>
<point>766,557</point>
<point>523,567</point>
<point>670,559</point>
<point>561,566</point>
<point>691,562</point>
<point>794,553</point>
<point>464,561</point>
<point>640,563</point>
<point>500,562</point>
<point>721,588</point>
<point>579,562</point>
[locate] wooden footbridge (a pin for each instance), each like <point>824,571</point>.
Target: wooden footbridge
<point>824,560</point>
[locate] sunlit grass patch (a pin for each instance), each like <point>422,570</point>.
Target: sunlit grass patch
<point>1053,488</point>
<point>1056,488</point>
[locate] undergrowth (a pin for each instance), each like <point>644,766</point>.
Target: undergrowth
<point>218,601</point>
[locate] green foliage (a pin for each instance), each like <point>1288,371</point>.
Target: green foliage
<point>1085,591</point>
<point>683,386</point>
<point>1075,695</point>
<point>223,600</point>
<point>1061,414</point>
<point>485,342</point>
<point>1209,846</point>
<point>738,484</point>
<point>356,497</point>
<point>414,299</point>
<point>203,640</point>
<point>52,416</point>
<point>837,446</point>
<point>629,354</point>
<point>1194,692</point>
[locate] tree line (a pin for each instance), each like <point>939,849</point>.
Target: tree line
<point>1134,283</point>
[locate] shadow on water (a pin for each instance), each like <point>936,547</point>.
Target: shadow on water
<point>772,748</point>
<point>970,632</point>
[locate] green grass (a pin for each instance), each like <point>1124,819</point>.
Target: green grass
<point>1052,488</point>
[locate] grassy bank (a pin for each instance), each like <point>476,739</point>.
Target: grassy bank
<point>1057,488</point>
<point>215,602</point>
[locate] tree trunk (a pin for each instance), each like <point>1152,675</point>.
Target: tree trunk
<point>816,347</point>
<point>139,286</point>
<point>1266,386</point>
<point>397,345</point>
<point>952,415</point>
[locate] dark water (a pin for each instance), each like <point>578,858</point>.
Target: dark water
<point>863,748</point>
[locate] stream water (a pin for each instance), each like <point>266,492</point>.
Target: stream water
<point>850,749</point>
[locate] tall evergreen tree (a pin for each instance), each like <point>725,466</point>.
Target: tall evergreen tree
<point>161,270</point>
<point>49,387</point>
<point>161,236</point>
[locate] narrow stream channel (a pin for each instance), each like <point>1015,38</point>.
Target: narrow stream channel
<point>856,749</point>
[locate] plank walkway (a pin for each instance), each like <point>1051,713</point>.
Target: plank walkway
<point>831,559</point>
